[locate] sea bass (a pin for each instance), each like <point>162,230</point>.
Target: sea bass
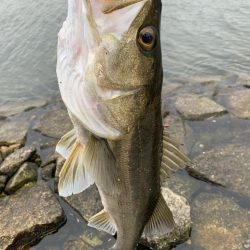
<point>109,72</point>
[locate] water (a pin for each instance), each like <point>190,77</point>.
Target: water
<point>199,38</point>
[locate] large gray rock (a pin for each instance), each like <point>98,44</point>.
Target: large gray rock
<point>219,223</point>
<point>3,180</point>
<point>25,174</point>
<point>228,165</point>
<point>55,123</point>
<point>181,213</point>
<point>87,203</point>
<point>13,108</point>
<point>13,133</point>
<point>28,216</point>
<point>15,160</point>
<point>239,103</point>
<point>196,107</point>
<point>48,171</point>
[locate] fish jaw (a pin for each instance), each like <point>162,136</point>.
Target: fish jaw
<point>78,42</point>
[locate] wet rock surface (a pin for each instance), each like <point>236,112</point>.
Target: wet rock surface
<point>12,108</point>
<point>219,223</point>
<point>197,107</point>
<point>87,203</point>
<point>11,164</point>
<point>228,165</point>
<point>12,132</point>
<point>54,123</point>
<point>181,213</point>
<point>239,103</point>
<point>28,216</point>
<point>25,174</point>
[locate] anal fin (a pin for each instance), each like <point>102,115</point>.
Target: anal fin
<point>103,222</point>
<point>161,221</point>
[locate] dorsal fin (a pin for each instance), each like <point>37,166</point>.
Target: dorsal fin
<point>173,158</point>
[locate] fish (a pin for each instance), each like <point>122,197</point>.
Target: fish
<point>109,69</point>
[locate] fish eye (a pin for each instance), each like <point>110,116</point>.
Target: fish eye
<point>147,38</point>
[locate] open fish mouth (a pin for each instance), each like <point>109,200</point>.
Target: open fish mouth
<point>79,39</point>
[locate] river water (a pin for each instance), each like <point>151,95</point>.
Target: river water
<point>199,38</point>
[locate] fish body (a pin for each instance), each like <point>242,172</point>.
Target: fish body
<point>110,77</point>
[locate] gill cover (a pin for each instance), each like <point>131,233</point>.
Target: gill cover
<point>78,41</point>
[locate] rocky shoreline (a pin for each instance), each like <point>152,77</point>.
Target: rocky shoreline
<point>209,117</point>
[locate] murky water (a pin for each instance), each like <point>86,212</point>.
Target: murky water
<point>199,38</point>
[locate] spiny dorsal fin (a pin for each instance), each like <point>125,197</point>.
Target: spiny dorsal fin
<point>161,221</point>
<point>65,145</point>
<point>173,158</point>
<point>73,177</point>
<point>103,222</point>
<point>112,5</point>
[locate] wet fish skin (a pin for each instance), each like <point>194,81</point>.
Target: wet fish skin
<point>115,105</point>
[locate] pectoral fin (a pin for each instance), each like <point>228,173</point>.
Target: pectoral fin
<point>161,221</point>
<point>65,145</point>
<point>73,177</point>
<point>103,222</point>
<point>173,158</point>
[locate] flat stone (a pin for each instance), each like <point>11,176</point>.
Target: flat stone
<point>181,213</point>
<point>3,180</point>
<point>25,174</point>
<point>15,160</point>
<point>5,151</point>
<point>55,123</point>
<point>12,108</point>
<point>77,244</point>
<point>28,216</point>
<point>219,223</point>
<point>239,103</point>
<point>13,133</point>
<point>87,203</point>
<point>197,107</point>
<point>48,171</point>
<point>228,165</point>
<point>182,184</point>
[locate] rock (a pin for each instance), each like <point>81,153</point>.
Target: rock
<point>182,184</point>
<point>168,88</point>
<point>5,151</point>
<point>196,107</point>
<point>1,158</point>
<point>87,203</point>
<point>25,174</point>
<point>15,160</point>
<point>77,244</point>
<point>3,180</point>
<point>219,223</point>
<point>239,103</point>
<point>28,216</point>
<point>13,133</point>
<point>55,123</point>
<point>48,171</point>
<point>181,213</point>
<point>12,108</point>
<point>179,131</point>
<point>228,165</point>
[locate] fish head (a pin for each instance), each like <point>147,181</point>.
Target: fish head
<point>128,64</point>
<point>122,69</point>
